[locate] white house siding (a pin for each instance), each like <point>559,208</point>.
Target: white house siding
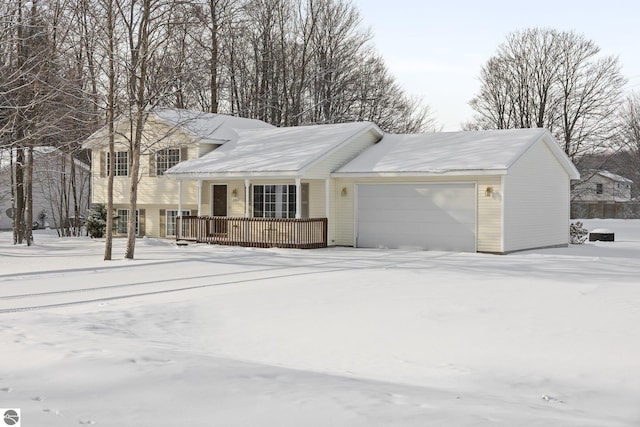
<point>154,192</point>
<point>151,190</point>
<point>316,198</point>
<point>343,210</point>
<point>536,201</point>
<point>153,225</point>
<point>489,214</point>
<point>489,209</point>
<point>342,155</point>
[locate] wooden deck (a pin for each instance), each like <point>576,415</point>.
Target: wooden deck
<point>303,233</point>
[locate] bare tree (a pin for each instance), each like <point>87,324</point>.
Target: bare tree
<point>68,67</point>
<point>547,78</point>
<point>111,105</point>
<point>630,141</point>
<point>146,23</point>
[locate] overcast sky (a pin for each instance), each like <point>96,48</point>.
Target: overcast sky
<point>435,49</point>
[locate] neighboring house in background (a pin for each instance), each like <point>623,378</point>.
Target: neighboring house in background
<point>602,186</point>
<point>52,187</point>
<point>170,136</point>
<point>347,184</point>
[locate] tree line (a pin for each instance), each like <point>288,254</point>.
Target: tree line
<point>560,80</point>
<point>69,67</point>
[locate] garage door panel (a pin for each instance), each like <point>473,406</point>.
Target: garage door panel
<point>419,217</point>
<point>428,216</point>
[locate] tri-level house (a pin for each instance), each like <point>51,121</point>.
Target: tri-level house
<point>226,180</point>
<point>170,136</point>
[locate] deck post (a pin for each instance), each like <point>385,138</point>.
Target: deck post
<point>327,207</point>
<point>199,197</point>
<point>247,187</point>
<point>298,198</point>
<point>179,197</point>
<point>247,226</point>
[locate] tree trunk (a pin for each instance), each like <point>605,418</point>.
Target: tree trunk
<point>18,218</point>
<point>138,92</point>
<point>214,56</point>
<point>29,198</point>
<point>108,244</point>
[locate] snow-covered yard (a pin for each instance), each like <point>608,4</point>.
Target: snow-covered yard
<point>220,336</point>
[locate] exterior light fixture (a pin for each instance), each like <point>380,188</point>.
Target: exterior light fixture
<point>488,192</point>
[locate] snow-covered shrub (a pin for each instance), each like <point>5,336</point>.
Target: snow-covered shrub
<point>577,233</point>
<point>97,221</point>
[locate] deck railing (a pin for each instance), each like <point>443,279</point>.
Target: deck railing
<point>301,233</point>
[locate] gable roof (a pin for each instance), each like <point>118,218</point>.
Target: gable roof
<point>208,127</point>
<point>285,151</point>
<point>475,152</point>
<point>201,127</point>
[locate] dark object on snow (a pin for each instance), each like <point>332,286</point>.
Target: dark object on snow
<point>601,235</point>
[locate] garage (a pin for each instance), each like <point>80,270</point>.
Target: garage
<point>418,215</point>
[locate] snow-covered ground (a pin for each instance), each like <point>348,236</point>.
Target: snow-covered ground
<point>221,336</point>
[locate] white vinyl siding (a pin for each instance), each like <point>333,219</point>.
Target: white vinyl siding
<point>316,199</point>
<point>490,214</point>
<point>536,201</point>
<point>343,213</point>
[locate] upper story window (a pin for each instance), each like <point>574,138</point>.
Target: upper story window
<point>166,159</point>
<point>598,188</point>
<point>121,163</point>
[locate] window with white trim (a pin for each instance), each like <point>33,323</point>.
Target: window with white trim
<point>166,159</point>
<point>171,216</point>
<point>121,165</point>
<point>122,221</point>
<point>274,201</point>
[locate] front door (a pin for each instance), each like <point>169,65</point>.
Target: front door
<point>219,207</point>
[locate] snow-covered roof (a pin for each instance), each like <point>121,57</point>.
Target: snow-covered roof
<point>614,177</point>
<point>282,151</point>
<point>491,151</point>
<point>208,127</point>
<point>38,152</point>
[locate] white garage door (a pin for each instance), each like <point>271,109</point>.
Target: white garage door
<point>426,216</point>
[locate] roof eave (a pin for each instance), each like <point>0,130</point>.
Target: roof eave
<point>426,174</point>
<point>232,175</point>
